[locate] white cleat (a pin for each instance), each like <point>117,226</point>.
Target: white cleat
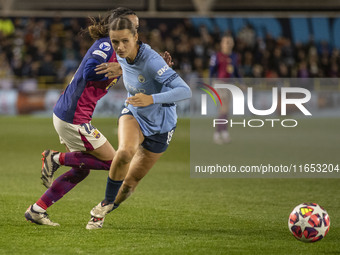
<point>217,138</point>
<point>95,223</point>
<point>98,214</point>
<point>225,137</point>
<point>39,218</point>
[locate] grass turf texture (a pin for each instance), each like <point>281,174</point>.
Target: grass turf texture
<point>170,213</point>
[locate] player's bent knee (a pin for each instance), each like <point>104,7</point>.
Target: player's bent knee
<point>125,155</point>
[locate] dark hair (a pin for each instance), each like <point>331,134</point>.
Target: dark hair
<point>122,23</point>
<point>100,29</point>
<point>120,12</point>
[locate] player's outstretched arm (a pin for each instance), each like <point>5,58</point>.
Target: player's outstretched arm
<point>179,91</point>
<point>111,70</point>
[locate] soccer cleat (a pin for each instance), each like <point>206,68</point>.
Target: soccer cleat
<point>98,214</point>
<point>95,223</point>
<point>225,137</point>
<point>217,138</point>
<point>39,218</point>
<point>49,166</point>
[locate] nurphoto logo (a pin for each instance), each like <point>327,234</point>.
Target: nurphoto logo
<point>239,101</point>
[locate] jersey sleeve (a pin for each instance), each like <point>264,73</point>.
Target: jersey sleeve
<point>179,91</point>
<point>100,52</point>
<point>166,76</point>
<point>160,71</point>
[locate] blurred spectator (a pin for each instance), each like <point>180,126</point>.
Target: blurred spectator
<point>5,68</point>
<point>47,66</point>
<point>28,67</point>
<point>257,71</point>
<point>302,70</point>
<point>32,47</point>
<point>246,69</point>
<point>6,27</point>
<point>57,27</point>
<point>247,36</point>
<point>224,64</point>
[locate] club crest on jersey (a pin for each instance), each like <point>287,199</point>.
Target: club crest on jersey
<point>141,78</point>
<point>96,134</point>
<point>105,46</point>
<point>125,110</point>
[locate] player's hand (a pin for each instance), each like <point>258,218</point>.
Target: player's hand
<point>140,100</point>
<point>111,70</point>
<point>167,58</point>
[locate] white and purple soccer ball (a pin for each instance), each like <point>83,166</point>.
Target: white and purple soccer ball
<point>309,222</point>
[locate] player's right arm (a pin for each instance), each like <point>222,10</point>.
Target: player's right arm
<point>110,70</point>
<point>98,56</point>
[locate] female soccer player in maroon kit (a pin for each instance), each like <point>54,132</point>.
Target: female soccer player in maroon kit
<point>224,64</point>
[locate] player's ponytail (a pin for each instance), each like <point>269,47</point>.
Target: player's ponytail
<point>98,29</point>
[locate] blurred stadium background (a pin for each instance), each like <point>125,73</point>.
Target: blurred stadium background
<point>170,213</point>
<point>41,47</point>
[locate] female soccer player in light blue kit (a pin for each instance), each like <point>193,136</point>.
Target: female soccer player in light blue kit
<point>148,120</point>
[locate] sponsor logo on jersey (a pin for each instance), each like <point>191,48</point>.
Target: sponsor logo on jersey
<point>100,53</point>
<point>141,78</point>
<point>162,70</point>
<point>105,46</point>
<point>133,90</point>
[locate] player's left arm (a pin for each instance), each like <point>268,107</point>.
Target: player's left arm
<point>112,70</point>
<point>164,75</point>
<point>180,91</point>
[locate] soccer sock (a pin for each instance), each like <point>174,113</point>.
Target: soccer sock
<point>38,208</point>
<point>220,128</point>
<point>56,158</point>
<point>63,184</point>
<point>83,161</point>
<point>112,188</point>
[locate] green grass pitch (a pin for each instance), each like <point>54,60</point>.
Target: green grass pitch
<point>170,213</point>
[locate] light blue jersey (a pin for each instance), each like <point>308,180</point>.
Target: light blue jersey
<point>149,74</point>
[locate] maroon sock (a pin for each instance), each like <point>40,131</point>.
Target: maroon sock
<point>63,184</point>
<point>83,161</point>
<point>220,128</point>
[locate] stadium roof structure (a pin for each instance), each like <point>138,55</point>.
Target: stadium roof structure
<point>165,8</point>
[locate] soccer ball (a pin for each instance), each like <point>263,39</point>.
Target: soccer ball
<point>309,222</point>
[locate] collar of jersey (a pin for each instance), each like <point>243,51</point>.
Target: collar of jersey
<point>139,53</point>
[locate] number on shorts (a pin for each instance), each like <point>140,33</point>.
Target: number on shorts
<point>88,127</point>
<point>170,133</point>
